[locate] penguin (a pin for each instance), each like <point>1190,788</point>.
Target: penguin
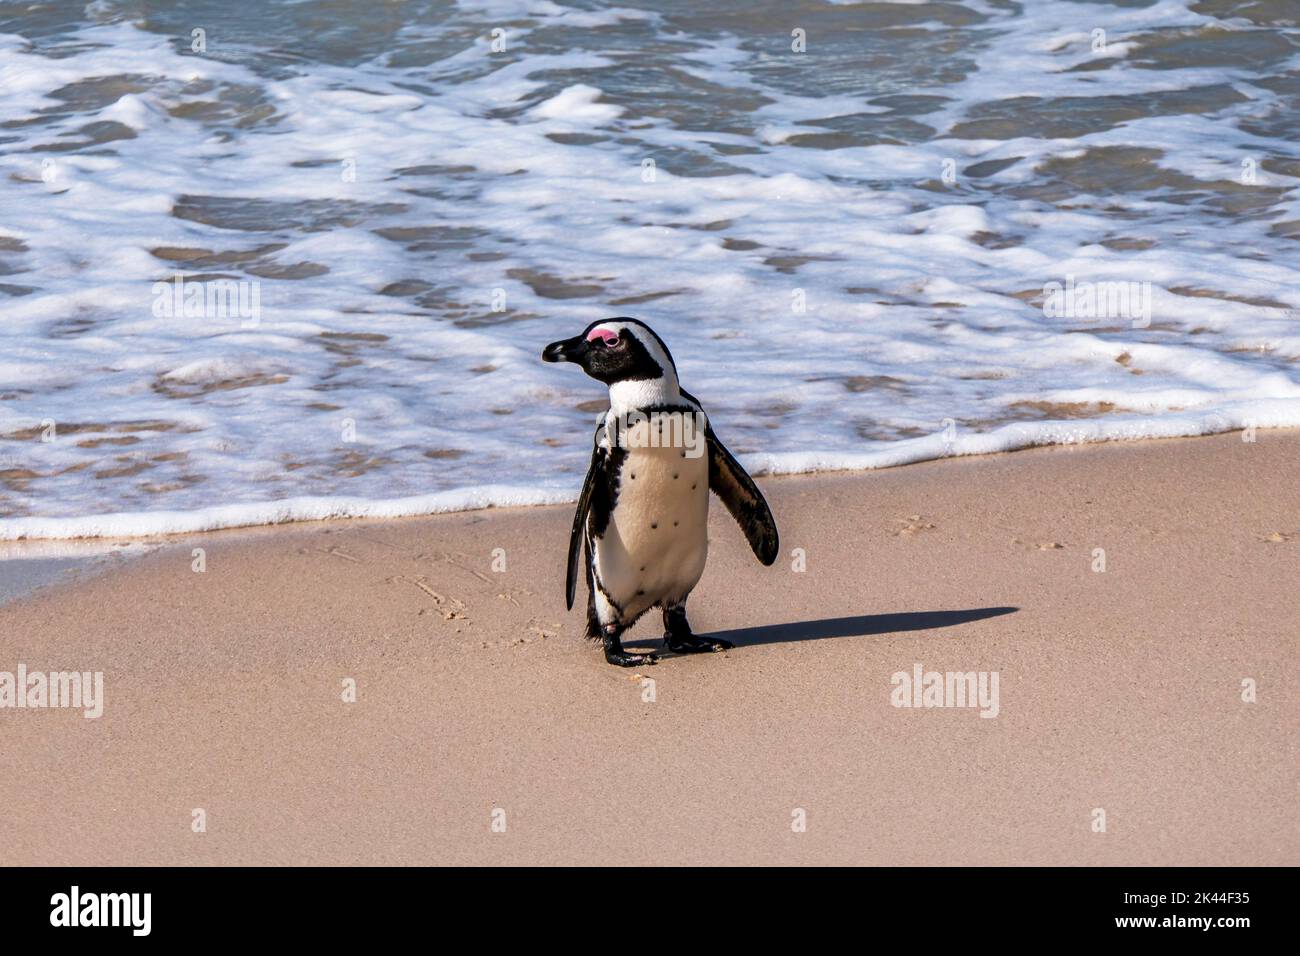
<point>642,516</point>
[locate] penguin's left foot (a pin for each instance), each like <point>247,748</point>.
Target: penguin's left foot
<point>614,653</point>
<point>621,658</point>
<point>694,644</point>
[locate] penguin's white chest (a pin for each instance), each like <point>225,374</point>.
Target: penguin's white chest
<point>655,546</point>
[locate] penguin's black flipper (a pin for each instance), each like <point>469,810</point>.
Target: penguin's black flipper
<point>738,492</point>
<point>575,536</point>
<point>595,473</point>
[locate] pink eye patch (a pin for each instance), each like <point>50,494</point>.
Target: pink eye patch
<point>605,335</point>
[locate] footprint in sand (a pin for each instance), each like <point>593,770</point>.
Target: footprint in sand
<point>339,553</point>
<point>537,630</point>
<point>913,524</point>
<point>1041,546</point>
<point>451,608</point>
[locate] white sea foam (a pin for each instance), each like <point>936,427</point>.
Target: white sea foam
<point>912,181</point>
<point>153,523</point>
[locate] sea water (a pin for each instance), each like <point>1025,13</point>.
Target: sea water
<point>265,261</point>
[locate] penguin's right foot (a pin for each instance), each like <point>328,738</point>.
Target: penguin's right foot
<point>693,644</point>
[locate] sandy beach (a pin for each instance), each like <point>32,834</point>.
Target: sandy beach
<point>486,730</point>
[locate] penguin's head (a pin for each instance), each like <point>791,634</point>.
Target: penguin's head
<point>615,351</point>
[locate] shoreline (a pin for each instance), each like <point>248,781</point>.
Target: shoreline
<point>475,692</point>
<point>144,525</point>
<point>48,562</point>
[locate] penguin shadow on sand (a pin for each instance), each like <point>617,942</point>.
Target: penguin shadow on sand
<point>863,625</point>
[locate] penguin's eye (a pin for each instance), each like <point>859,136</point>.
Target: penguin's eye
<point>605,337</point>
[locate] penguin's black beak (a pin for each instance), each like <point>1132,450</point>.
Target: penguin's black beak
<point>566,350</point>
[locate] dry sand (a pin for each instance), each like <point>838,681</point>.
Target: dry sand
<point>1119,690</point>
